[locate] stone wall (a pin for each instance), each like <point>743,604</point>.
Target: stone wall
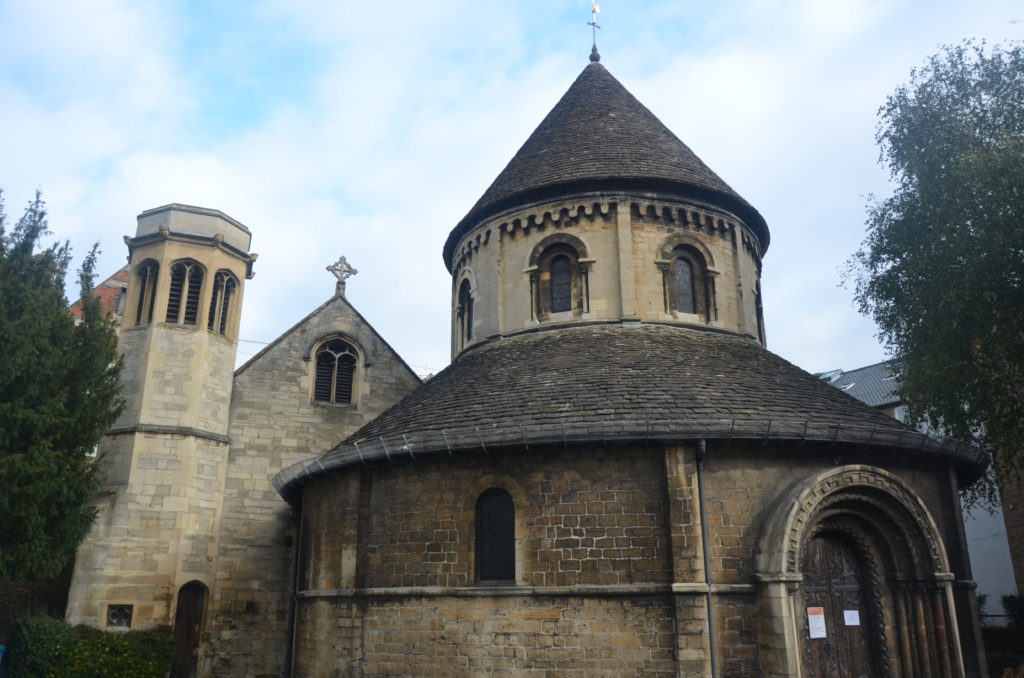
<point>276,423</point>
<point>624,239</point>
<point>609,561</point>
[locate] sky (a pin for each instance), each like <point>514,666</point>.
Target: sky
<point>368,129</point>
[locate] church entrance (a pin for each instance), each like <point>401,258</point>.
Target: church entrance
<point>837,637</point>
<point>187,626</point>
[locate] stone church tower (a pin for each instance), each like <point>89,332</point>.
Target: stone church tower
<point>164,457</point>
<point>614,476</point>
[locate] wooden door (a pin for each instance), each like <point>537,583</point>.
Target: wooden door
<point>187,626</point>
<point>835,594</point>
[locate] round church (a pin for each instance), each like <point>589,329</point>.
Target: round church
<point>615,477</point>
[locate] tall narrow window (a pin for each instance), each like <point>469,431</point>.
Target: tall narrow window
<point>495,536</point>
<point>224,285</point>
<point>465,311</point>
<point>186,285</point>
<point>335,372</point>
<point>561,284</point>
<point>146,281</point>
<point>685,302</point>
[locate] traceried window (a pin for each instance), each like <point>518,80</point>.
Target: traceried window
<point>186,286</point>
<point>224,287</point>
<point>145,279</point>
<point>465,311</point>
<point>335,372</point>
<point>495,536</point>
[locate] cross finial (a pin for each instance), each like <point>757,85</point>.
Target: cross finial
<point>594,11</point>
<point>342,270</point>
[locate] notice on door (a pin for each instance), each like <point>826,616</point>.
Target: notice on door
<point>851,617</point>
<point>816,622</point>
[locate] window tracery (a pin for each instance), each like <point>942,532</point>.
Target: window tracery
<point>335,369</point>
<point>224,286</point>
<point>186,286</point>
<point>146,279</point>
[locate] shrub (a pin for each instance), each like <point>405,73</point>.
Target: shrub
<point>42,647</point>
<point>1014,608</point>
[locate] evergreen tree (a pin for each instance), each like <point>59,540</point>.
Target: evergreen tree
<point>59,392</point>
<point>942,268</point>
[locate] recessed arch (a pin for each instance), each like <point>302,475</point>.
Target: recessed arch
<point>559,272</point>
<point>908,608</point>
<point>336,362</point>
<point>675,240</point>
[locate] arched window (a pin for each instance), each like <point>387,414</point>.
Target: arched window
<point>495,536</point>
<point>224,286</point>
<point>186,286</point>
<point>687,286</point>
<point>465,311</point>
<point>335,372</point>
<point>685,301</point>
<point>145,278</point>
<point>559,273</point>
<point>561,284</point>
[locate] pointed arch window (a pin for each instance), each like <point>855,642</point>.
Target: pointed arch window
<point>495,536</point>
<point>335,372</point>
<point>224,286</point>
<point>465,311</point>
<point>145,279</point>
<point>186,287</point>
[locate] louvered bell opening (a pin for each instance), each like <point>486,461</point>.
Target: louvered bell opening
<point>195,284</point>
<point>147,283</point>
<point>324,377</point>
<point>229,292</point>
<point>174,300</point>
<point>218,291</point>
<point>343,387</point>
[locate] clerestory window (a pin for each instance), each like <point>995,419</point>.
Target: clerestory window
<point>559,277</point>
<point>465,311</point>
<point>689,289</point>
<point>495,536</point>
<point>335,372</point>
<point>186,287</point>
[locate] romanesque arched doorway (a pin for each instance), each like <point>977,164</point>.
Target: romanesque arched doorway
<point>840,636</point>
<point>855,582</point>
<point>188,620</point>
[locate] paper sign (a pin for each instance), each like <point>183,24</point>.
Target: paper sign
<point>816,622</point>
<point>851,617</point>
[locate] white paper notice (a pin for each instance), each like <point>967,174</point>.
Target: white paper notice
<point>816,622</point>
<point>851,617</point>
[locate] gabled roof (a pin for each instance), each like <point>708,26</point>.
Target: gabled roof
<point>874,384</point>
<point>599,137</point>
<point>606,383</point>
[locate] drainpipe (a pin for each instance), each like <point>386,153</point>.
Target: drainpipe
<point>289,648</point>
<point>702,452</point>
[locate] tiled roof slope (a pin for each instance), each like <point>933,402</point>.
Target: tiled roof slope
<point>600,137</point>
<point>618,382</point>
<point>874,384</point>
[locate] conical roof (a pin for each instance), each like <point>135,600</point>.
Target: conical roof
<point>599,137</point>
<point>603,384</point>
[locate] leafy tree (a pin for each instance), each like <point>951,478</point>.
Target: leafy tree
<point>941,270</point>
<point>59,391</point>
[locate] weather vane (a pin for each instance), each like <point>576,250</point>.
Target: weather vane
<point>342,270</point>
<point>594,11</point>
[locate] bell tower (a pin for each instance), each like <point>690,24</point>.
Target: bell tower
<point>164,459</point>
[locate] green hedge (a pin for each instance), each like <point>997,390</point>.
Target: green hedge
<point>42,647</point>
